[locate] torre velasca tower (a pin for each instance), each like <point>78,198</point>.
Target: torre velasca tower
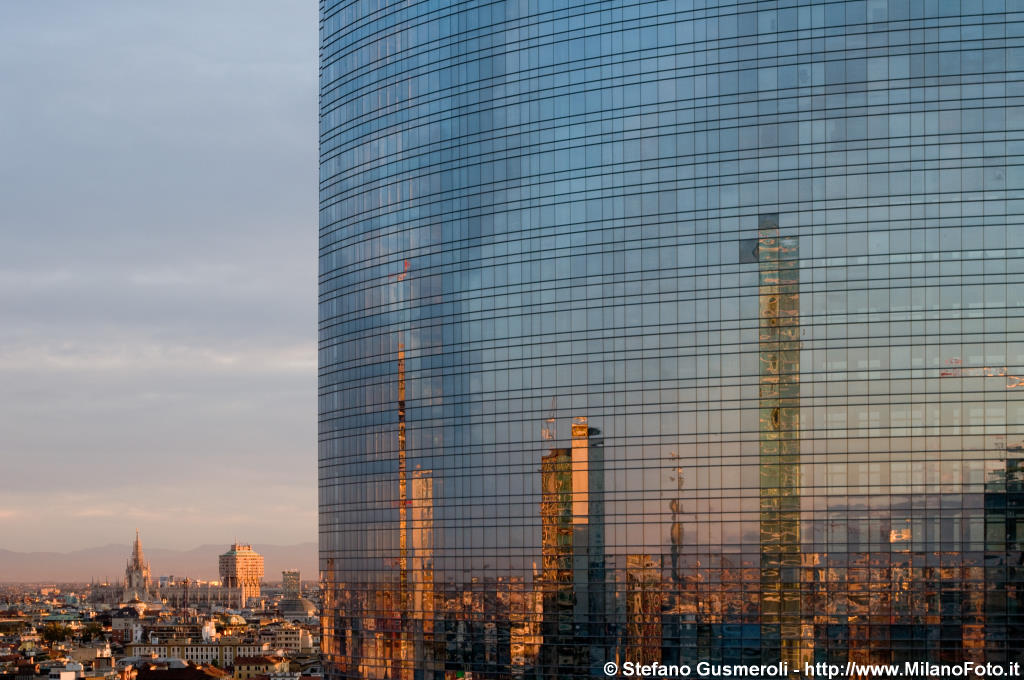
<point>670,331</point>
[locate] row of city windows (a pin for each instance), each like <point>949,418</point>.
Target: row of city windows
<point>661,85</point>
<point>356,21</point>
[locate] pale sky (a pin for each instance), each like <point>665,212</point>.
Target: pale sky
<point>158,218</point>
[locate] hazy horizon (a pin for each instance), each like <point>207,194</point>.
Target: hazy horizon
<point>158,275</point>
<point>107,562</point>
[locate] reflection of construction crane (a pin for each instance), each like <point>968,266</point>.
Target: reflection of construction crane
<point>548,431</point>
<point>956,369</point>
<point>404,273</point>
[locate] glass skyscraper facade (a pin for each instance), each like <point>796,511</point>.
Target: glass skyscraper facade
<point>671,330</point>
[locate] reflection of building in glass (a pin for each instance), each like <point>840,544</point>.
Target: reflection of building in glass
<point>526,611</point>
<point>1004,559</point>
<point>560,648</point>
<point>643,596</point>
<point>773,253</point>
<point>779,413</point>
<point>422,566</point>
<point>403,603</point>
<point>572,580</point>
<point>588,544</point>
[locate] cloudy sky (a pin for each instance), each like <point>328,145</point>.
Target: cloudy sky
<point>157,272</point>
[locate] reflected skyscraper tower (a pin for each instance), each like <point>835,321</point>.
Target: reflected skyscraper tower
<point>557,582</point>
<point>572,580</point>
<point>422,567</point>
<point>643,598</point>
<point>779,414</point>
<point>772,252</point>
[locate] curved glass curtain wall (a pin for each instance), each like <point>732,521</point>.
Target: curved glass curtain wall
<point>669,331</point>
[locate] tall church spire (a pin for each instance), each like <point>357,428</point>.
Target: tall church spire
<point>137,574</point>
<point>137,557</point>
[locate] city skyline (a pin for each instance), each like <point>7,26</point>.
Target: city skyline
<point>157,356</point>
<point>642,333</point>
<point>103,564</point>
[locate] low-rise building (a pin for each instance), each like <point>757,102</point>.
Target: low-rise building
<point>292,638</point>
<point>222,652</point>
<point>247,667</point>
<point>178,671</point>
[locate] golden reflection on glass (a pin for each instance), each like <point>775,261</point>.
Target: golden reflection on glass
<point>556,578</point>
<point>422,567</point>
<point>779,407</point>
<point>405,646</point>
<point>572,581</point>
<point>643,595</point>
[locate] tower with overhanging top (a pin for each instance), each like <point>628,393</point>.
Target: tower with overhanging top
<point>241,568</point>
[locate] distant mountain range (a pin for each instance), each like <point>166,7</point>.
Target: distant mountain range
<point>107,563</point>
